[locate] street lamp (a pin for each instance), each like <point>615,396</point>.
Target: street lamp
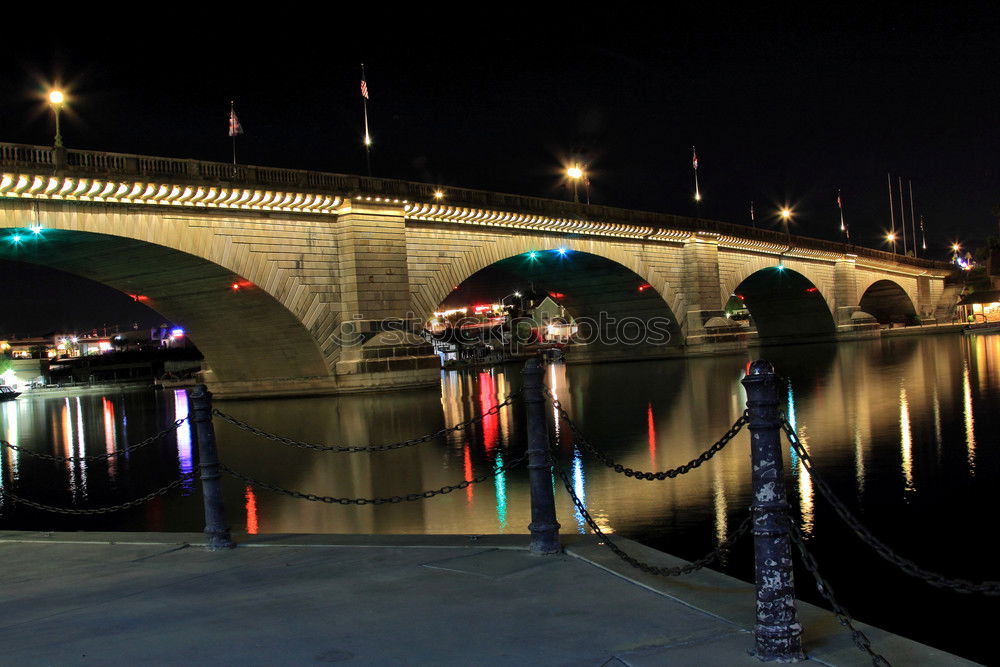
<point>891,238</point>
<point>575,173</point>
<point>56,99</point>
<point>786,215</point>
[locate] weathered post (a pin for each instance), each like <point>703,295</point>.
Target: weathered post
<point>777,634</point>
<point>208,460</point>
<point>544,527</point>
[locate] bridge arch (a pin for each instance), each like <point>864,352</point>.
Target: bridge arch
<point>741,267</point>
<point>244,312</point>
<point>455,263</point>
<point>888,302</point>
<point>619,312</point>
<point>785,304</point>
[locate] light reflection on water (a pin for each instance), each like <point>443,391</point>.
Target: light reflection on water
<point>970,431</point>
<point>648,416</point>
<point>906,441</point>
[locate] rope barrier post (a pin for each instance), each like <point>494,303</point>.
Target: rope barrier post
<point>777,634</point>
<point>544,527</point>
<point>208,460</point>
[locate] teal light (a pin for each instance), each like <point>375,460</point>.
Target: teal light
<point>562,251</point>
<point>501,491</point>
<point>36,229</point>
<point>16,238</point>
<point>780,267</point>
<point>532,255</point>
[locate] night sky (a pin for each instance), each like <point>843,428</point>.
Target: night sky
<point>782,108</point>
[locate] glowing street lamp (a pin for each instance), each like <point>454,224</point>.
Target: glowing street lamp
<point>786,215</point>
<point>575,173</point>
<point>515,293</point>
<point>56,100</point>
<point>891,238</point>
<point>438,194</point>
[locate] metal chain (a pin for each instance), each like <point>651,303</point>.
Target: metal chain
<point>96,457</point>
<point>883,550</point>
<point>372,501</point>
<point>366,448</point>
<point>860,639</point>
<point>649,476</point>
<point>740,531</point>
<point>101,510</point>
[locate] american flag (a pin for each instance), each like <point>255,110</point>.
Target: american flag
<point>364,87</point>
<point>234,124</point>
<point>839,205</point>
<point>694,158</point>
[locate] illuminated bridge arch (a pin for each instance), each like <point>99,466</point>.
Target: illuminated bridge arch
<point>583,276</point>
<point>819,276</point>
<point>438,265</point>
<point>241,307</point>
<point>785,305</point>
<point>888,302</point>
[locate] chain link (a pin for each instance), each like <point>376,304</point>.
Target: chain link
<point>740,531</point>
<point>96,457</point>
<point>860,639</point>
<point>366,448</point>
<point>883,550</point>
<point>578,437</point>
<point>101,510</point>
<point>372,501</point>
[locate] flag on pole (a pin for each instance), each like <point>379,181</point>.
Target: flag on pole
<point>694,163</point>
<point>843,225</point>
<point>234,123</point>
<point>368,137</point>
<point>753,217</point>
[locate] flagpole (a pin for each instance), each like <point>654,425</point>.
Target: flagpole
<point>892,215</point>
<point>232,133</point>
<point>697,192</point>
<point>843,225</point>
<point>368,137</point>
<point>902,212</point>
<point>753,218</point>
<point>913,222</point>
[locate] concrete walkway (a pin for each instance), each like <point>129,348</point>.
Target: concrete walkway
<point>159,598</point>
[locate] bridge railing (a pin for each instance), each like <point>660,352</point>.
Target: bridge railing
<point>96,164</point>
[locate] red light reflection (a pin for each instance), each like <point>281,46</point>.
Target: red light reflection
<point>251,510</point>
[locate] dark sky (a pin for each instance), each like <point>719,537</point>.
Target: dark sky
<point>782,107</point>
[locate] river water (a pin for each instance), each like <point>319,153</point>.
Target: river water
<point>904,429</point>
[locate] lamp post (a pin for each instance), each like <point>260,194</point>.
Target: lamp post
<point>515,293</point>
<point>575,173</point>
<point>891,238</point>
<point>786,215</point>
<point>56,99</point>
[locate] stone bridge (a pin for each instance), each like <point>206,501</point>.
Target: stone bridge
<point>296,282</point>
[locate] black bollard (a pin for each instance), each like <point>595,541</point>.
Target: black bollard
<point>208,460</point>
<point>544,527</point>
<point>777,634</point>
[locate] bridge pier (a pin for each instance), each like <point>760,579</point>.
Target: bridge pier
<point>706,328</point>
<point>379,347</point>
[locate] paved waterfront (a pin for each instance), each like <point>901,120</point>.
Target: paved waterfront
<point>159,598</point>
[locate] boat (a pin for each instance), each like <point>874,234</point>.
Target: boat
<point>8,393</point>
